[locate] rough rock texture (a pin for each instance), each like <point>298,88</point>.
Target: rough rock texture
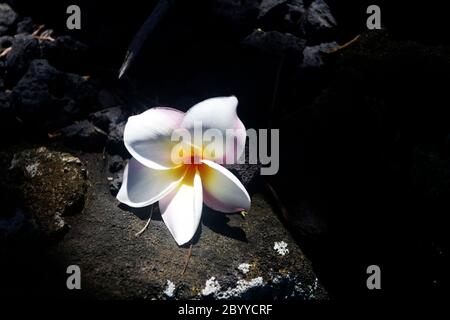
<point>114,142</point>
<point>7,18</point>
<point>107,117</point>
<point>47,97</point>
<point>282,15</point>
<point>143,265</point>
<point>84,135</point>
<point>5,42</point>
<point>26,25</point>
<point>274,42</point>
<point>237,13</point>
<point>308,19</point>
<point>64,52</point>
<point>312,56</point>
<point>52,185</point>
<point>7,118</point>
<point>318,20</point>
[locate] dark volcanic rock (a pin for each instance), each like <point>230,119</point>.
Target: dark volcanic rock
<point>106,99</point>
<point>25,48</point>
<point>239,15</point>
<point>7,18</point>
<point>26,25</point>
<point>282,15</point>
<point>115,182</point>
<point>53,185</point>
<point>6,42</point>
<point>7,118</point>
<point>312,56</point>
<point>84,135</point>
<point>115,163</point>
<point>274,42</point>
<point>32,97</point>
<point>65,53</point>
<point>114,143</point>
<point>69,54</point>
<point>107,117</point>
<point>48,98</point>
<point>318,20</point>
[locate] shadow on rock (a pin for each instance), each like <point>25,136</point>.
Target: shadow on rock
<point>218,222</point>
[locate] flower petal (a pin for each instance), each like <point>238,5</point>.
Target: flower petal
<point>219,114</point>
<point>222,191</point>
<point>181,209</point>
<point>143,186</point>
<point>147,136</point>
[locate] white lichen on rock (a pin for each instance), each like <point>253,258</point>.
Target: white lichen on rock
<point>244,268</point>
<point>281,248</point>
<point>32,169</point>
<point>242,286</point>
<point>212,286</point>
<point>169,291</point>
<point>298,289</point>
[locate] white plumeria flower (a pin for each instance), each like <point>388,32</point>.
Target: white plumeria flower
<point>151,175</point>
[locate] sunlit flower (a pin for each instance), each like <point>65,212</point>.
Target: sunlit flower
<point>181,188</point>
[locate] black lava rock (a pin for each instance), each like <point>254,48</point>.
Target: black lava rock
<point>48,98</point>
<point>6,42</point>
<point>318,21</point>
<point>107,117</point>
<point>7,18</point>
<point>115,182</point>
<point>26,25</point>
<point>8,122</point>
<point>32,96</point>
<point>114,143</point>
<point>65,53</point>
<point>84,135</point>
<point>25,48</point>
<point>313,56</point>
<point>274,42</point>
<point>106,99</point>
<point>69,54</point>
<point>116,163</point>
<point>282,15</point>
<point>238,14</point>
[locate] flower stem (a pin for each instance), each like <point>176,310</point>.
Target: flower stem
<point>146,225</point>
<point>187,259</point>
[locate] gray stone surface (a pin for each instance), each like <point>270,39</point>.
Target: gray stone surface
<point>117,264</point>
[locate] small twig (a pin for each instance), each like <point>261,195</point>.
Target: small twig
<point>53,135</point>
<point>45,38</point>
<point>345,45</point>
<point>5,52</point>
<point>38,30</point>
<point>147,224</point>
<point>187,259</point>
